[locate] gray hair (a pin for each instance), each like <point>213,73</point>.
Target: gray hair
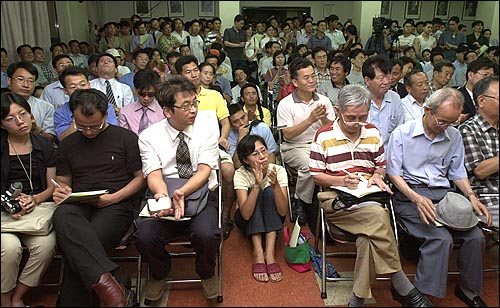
<point>353,95</point>
<point>445,95</point>
<point>482,86</point>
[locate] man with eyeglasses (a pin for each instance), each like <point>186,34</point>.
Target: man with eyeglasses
<point>340,67</point>
<point>184,121</point>
<point>22,78</point>
<point>331,164</point>
<point>140,58</point>
<point>26,54</point>
<point>480,136</point>
<point>476,70</point>
<point>425,155</point>
<point>74,78</point>
<point>386,109</point>
<point>98,156</point>
<point>145,111</point>
<point>54,92</point>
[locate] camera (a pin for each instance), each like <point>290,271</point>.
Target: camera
<point>379,24</point>
<point>9,202</point>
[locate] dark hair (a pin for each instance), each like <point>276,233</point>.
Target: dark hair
<point>107,55</point>
<point>212,56</point>
<point>138,52</point>
<point>22,64</point>
<point>72,71</point>
<point>59,57</point>
<point>18,49</point>
<point>317,49</point>
<point>183,60</point>
<point>372,63</point>
<point>394,62</point>
<point>74,41</point>
<point>477,22</point>
<point>298,65</point>
<point>92,59</point>
<point>408,81</point>
<point>202,65</point>
<point>276,54</point>
<point>479,64</point>
<point>481,87</point>
<point>10,98</point>
<point>439,66</point>
<point>233,108</point>
<point>166,91</point>
<point>145,79</point>
<point>346,64</point>
<point>259,105</point>
<point>246,146</point>
<point>90,100</point>
<point>53,46</point>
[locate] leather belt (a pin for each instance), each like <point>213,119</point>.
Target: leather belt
<point>425,186</point>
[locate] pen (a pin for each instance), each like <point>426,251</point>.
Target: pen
<point>361,178</point>
<point>55,183</point>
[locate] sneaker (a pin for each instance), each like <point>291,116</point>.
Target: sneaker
<point>155,289</point>
<point>298,211</point>
<point>210,287</point>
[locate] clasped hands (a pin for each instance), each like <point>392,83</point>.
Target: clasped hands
<point>27,203</point>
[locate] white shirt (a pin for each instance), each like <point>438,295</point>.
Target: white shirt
<point>43,112</point>
<point>412,107</point>
<point>236,94</point>
<point>336,37</point>
<point>122,92</point>
<point>159,153</point>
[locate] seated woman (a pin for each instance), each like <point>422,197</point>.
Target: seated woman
<point>29,159</point>
<point>250,100</point>
<point>261,189</point>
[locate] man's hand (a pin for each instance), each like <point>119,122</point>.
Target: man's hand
<point>224,143</point>
<point>60,194</point>
<point>104,201</point>
<point>178,204</point>
<point>426,209</point>
<point>481,210</point>
<point>379,181</point>
<point>319,113</point>
<point>351,180</point>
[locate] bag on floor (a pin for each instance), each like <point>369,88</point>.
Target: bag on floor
<point>298,257</point>
<point>38,222</point>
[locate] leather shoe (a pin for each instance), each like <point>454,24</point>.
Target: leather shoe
<point>298,211</point>
<point>475,302</point>
<point>413,299</point>
<point>109,291</point>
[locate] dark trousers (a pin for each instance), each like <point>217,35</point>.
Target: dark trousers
<point>265,217</point>
<point>204,233</point>
<point>84,234</point>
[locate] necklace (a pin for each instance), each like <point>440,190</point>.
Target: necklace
<point>24,169</point>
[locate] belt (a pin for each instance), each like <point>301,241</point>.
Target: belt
<point>425,186</point>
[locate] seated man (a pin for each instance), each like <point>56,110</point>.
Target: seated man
<point>74,78</point>
<point>241,126</point>
<point>331,151</point>
<point>183,124</point>
<point>340,67</point>
<point>425,154</point>
<point>301,114</point>
<point>97,156</point>
<point>480,136</point>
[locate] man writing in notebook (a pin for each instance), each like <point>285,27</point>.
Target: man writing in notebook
<point>96,156</point>
<point>341,153</point>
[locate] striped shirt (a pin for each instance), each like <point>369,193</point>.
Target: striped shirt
<point>332,151</point>
<point>481,143</point>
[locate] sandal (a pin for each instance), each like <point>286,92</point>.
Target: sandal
<point>259,268</point>
<point>274,268</point>
<point>227,226</point>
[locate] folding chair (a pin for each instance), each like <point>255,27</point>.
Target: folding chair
<point>182,240</point>
<point>291,173</point>
<point>340,236</point>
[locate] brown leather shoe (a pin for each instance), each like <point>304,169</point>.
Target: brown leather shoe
<point>210,287</point>
<point>110,291</point>
<point>155,289</point>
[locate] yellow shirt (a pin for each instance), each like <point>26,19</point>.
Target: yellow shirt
<point>213,100</point>
<point>266,115</point>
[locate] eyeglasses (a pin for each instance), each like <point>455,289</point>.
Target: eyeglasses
<point>444,123</point>
<point>148,94</point>
<point>90,128</point>
<point>240,119</point>
<point>21,117</point>
<point>188,107</point>
<point>484,74</point>
<point>352,124</point>
<point>21,80</point>
<point>493,97</point>
<point>142,59</point>
<point>64,65</point>
<point>259,153</point>
<point>254,93</point>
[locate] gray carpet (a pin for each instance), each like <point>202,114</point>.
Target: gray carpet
<point>340,292</point>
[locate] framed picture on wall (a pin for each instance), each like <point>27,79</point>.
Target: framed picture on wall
<point>470,9</point>
<point>442,9</point>
<point>385,9</point>
<point>142,8</point>
<point>175,9</point>
<point>206,8</point>
<point>412,9</point>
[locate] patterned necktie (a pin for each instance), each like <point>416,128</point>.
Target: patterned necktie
<point>184,167</point>
<point>143,123</point>
<point>109,93</point>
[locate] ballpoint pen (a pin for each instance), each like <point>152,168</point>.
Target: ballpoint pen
<point>361,178</point>
<point>55,183</point>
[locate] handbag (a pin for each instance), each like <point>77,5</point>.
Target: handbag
<point>337,200</point>
<point>193,203</point>
<point>38,222</point>
<point>298,257</point>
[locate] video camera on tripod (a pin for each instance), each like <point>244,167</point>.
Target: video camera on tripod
<point>9,202</point>
<point>379,24</point>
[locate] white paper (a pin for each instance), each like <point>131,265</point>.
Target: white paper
<point>294,237</point>
<point>361,190</point>
<point>162,204</point>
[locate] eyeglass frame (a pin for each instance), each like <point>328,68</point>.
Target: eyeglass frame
<point>21,80</point>
<point>194,104</point>
<point>92,129</point>
<point>454,123</point>
<point>352,124</point>
<point>148,94</point>
<point>22,117</point>
<point>493,97</point>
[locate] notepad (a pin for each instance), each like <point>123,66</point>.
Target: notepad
<point>361,191</point>
<point>145,213</point>
<point>83,195</point>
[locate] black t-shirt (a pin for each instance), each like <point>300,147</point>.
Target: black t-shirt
<point>107,161</point>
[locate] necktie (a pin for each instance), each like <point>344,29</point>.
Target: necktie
<point>109,94</point>
<point>143,123</point>
<point>182,158</point>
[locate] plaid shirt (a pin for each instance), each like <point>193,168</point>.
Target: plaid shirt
<point>320,78</point>
<point>481,142</point>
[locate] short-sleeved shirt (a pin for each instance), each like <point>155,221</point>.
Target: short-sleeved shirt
<point>54,94</point>
<point>413,109</point>
<point>213,100</point>
<point>107,161</point>
<point>261,129</point>
<point>329,89</point>
<point>230,35</point>
<point>244,178</point>
<point>293,111</point>
<point>420,160</point>
<point>43,112</point>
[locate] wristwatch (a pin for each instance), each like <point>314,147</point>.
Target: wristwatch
<point>380,174</point>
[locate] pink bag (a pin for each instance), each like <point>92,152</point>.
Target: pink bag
<point>299,257</point>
